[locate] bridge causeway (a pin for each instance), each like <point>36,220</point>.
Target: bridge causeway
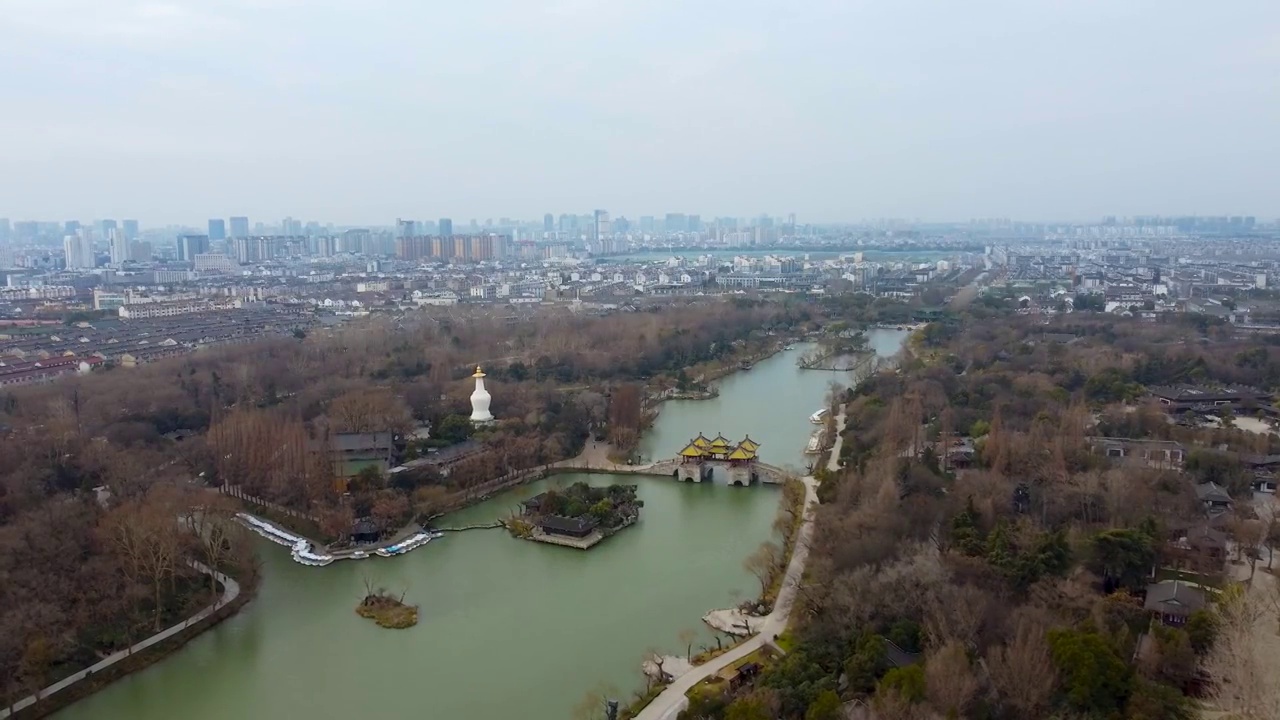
<point>764,472</point>
<point>702,460</point>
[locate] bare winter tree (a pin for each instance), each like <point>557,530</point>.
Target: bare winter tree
<point>370,411</point>
<point>892,705</point>
<point>1023,671</point>
<point>946,436</point>
<point>949,680</point>
<point>763,563</point>
<point>1249,534</point>
<point>687,636</point>
<point>1272,539</point>
<point>370,587</point>
<point>145,535</point>
<point>221,537</point>
<point>835,392</point>
<point>956,614</point>
<point>593,704</point>
<point>653,662</point>
<point>900,428</point>
<point>1241,661</point>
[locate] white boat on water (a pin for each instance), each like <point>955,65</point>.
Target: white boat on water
<point>300,548</point>
<point>410,543</point>
<point>815,443</point>
<point>819,417</point>
<point>302,554</point>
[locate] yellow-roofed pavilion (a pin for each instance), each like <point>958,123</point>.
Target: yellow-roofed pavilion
<point>700,449</point>
<point>702,460</point>
<point>693,452</point>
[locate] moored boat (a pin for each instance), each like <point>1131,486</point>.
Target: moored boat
<point>300,547</point>
<point>815,442</point>
<point>410,543</point>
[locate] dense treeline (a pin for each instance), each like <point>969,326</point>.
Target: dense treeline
<point>81,579</point>
<point>381,375</point>
<point>98,520</point>
<point>1009,586</point>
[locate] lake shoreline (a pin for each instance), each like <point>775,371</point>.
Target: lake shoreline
<point>681,560</point>
<point>141,660</point>
<point>469,497</point>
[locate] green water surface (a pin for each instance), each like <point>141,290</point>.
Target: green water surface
<point>507,628</point>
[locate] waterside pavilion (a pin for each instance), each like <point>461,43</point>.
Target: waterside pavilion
<point>702,457</point>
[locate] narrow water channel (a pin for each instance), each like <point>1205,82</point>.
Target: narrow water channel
<point>507,628</point>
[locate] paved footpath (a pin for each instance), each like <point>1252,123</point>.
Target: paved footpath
<point>672,700</point>
<point>833,463</point>
<point>230,591</point>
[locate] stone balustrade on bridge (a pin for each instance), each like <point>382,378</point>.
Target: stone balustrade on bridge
<point>713,471</point>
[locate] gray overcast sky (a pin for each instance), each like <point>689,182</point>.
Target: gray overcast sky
<point>362,111</point>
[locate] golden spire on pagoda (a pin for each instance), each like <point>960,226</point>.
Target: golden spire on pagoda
<point>479,373</point>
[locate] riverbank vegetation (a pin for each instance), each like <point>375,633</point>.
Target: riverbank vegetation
<point>768,562</point>
<point>96,470</point>
<point>84,578</point>
<point>139,659</point>
<point>387,610</point>
<point>608,508</point>
<point>258,417</point>
<point>989,549</point>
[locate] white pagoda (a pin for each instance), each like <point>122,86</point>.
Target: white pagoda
<point>480,400</point>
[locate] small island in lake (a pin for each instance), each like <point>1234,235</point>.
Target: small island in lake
<point>386,609</point>
<point>578,516</point>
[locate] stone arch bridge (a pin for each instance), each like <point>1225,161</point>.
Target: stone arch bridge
<point>719,472</point>
<point>703,460</point>
<point>722,461</point>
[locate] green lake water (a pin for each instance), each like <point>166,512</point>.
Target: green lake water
<point>507,628</point>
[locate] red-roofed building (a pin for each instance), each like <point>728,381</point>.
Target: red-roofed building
<point>34,372</point>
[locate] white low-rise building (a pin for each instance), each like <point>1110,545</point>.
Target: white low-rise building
<point>172,309</point>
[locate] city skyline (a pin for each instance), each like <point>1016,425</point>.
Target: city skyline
<point>835,111</point>
<point>586,224</point>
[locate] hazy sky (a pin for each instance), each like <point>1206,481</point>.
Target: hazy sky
<point>364,111</point>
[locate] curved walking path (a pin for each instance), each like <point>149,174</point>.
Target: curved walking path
<point>833,461</point>
<point>672,700</point>
<point>230,591</point>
